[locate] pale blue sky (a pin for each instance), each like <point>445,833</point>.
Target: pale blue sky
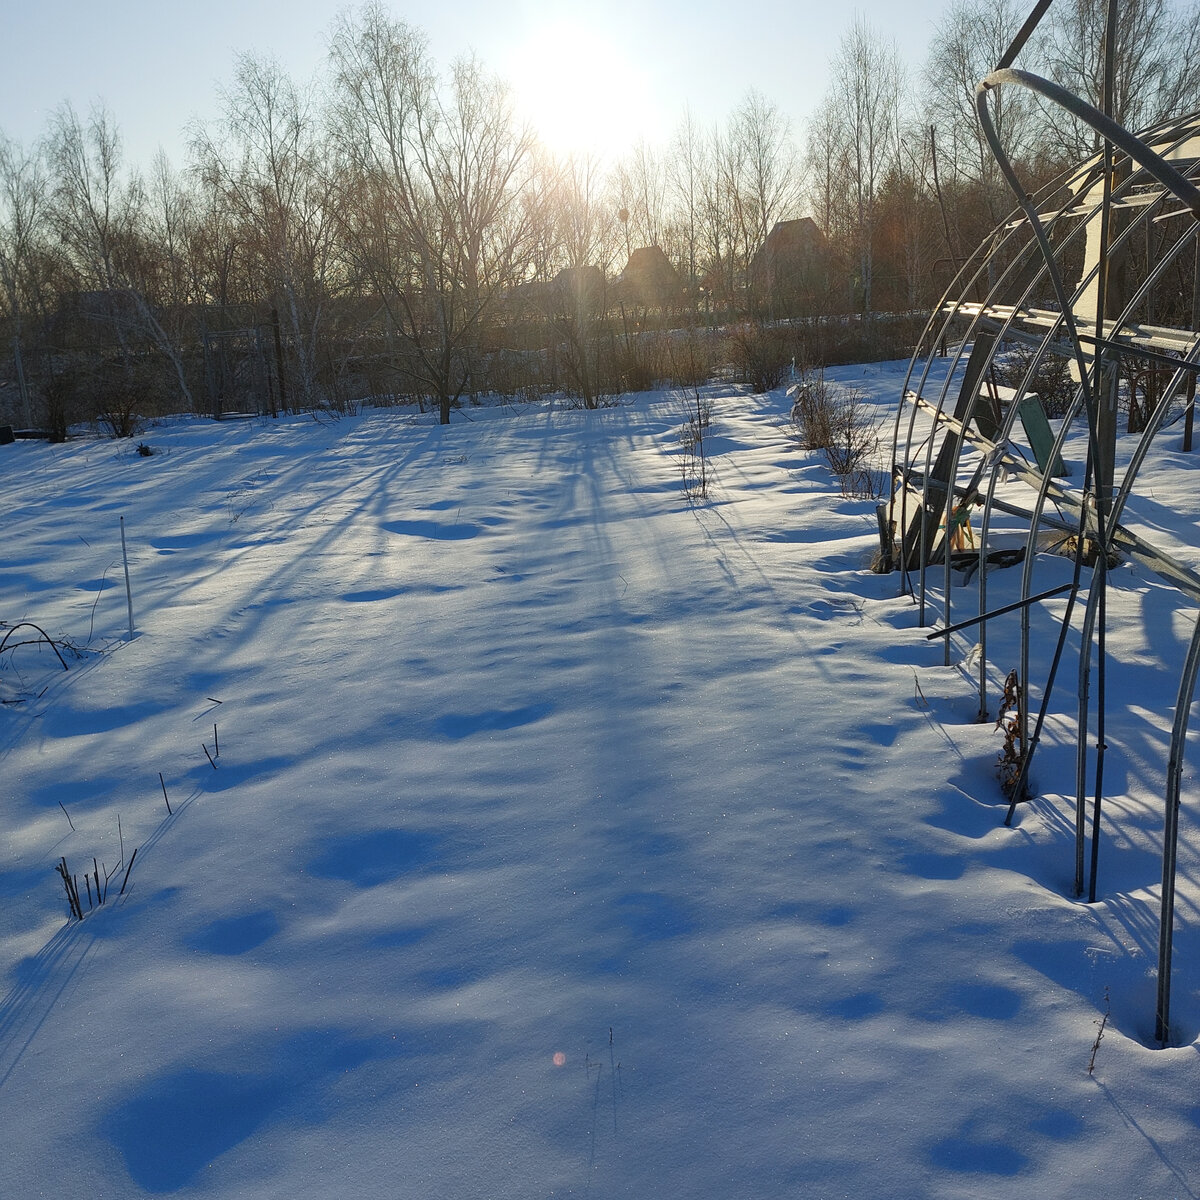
<point>158,65</point>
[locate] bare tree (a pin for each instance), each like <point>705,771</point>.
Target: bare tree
<point>828,171</point>
<point>685,170</point>
<point>97,212</point>
<point>968,43</point>
<point>590,238</point>
<point>587,224</point>
<point>909,230</point>
<point>169,220</point>
<point>769,187</point>
<point>268,167</point>
<point>1156,61</point>
<point>23,203</point>
<point>827,178</point>
<point>865,96</point>
<point>639,188</point>
<point>722,224</point>
<point>433,211</point>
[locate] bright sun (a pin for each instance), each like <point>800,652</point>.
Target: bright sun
<point>580,91</point>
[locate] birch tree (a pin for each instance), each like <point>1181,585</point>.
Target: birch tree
<point>23,210</point>
<point>865,97</point>
<point>434,174</point>
<point>267,165</point>
<point>97,211</point>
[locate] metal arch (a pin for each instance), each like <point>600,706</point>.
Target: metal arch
<point>1166,920</point>
<point>1108,129</point>
<point>1145,182</point>
<point>967,278</point>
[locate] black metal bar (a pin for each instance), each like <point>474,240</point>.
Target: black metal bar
<point>1135,351</point>
<point>1023,34</point>
<point>999,612</point>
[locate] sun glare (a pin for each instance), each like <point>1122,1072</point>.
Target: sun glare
<point>580,91</point>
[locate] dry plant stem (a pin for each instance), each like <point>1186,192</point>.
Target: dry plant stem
<point>127,870</point>
<point>71,887</point>
<point>67,815</point>
<point>1011,756</point>
<point>211,763</point>
<point>46,637</point>
<point>1099,1032</point>
<point>164,788</point>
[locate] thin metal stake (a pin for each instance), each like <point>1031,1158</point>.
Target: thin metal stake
<point>128,589</point>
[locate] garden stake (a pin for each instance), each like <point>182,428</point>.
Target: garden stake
<point>128,590</point>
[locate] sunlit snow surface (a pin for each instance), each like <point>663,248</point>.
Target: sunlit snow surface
<point>564,839</point>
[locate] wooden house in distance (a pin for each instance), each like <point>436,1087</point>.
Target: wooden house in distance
<point>787,273</point>
<point>649,280</point>
<point>577,291</point>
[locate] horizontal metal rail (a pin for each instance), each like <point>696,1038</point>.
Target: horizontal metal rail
<point>1163,565</point>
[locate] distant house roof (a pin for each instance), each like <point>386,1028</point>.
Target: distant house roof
<point>580,284</point>
<point>788,239</point>
<point>649,278</point>
<point>790,248</point>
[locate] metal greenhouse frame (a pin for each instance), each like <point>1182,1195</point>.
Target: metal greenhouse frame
<point>954,441</point>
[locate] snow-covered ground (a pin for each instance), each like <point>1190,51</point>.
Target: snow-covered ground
<point>563,839</point>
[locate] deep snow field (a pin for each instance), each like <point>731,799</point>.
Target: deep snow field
<point>563,838</point>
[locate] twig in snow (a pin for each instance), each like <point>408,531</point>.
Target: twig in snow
<point>72,889</point>
<point>1099,1032</point>
<point>216,744</point>
<point>99,593</point>
<point>612,1077</point>
<point>45,637</point>
<point>68,816</point>
<point>210,757</point>
<point>127,870</point>
<point>164,788</point>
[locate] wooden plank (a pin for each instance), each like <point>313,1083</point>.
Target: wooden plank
<point>1162,564</point>
<point>1040,435</point>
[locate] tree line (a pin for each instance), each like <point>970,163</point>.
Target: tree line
<point>395,231</point>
